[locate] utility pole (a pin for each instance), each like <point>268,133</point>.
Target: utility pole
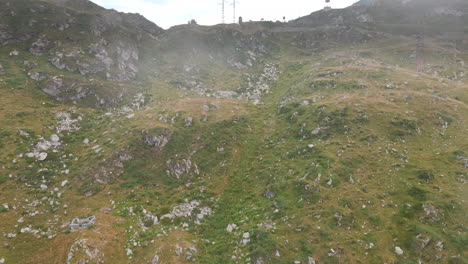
<point>234,11</point>
<point>222,7</point>
<point>327,5</point>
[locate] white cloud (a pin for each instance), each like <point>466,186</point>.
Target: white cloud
<point>167,13</point>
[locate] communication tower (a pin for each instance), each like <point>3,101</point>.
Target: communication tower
<point>327,5</point>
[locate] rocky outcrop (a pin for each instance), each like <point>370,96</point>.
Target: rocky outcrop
<point>54,86</point>
<point>79,224</point>
<point>181,167</point>
<point>127,59</point>
<point>37,76</point>
<point>40,46</point>
<point>157,138</point>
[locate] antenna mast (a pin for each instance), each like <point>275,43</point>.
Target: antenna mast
<point>234,11</point>
<point>222,4</point>
<point>327,5</point>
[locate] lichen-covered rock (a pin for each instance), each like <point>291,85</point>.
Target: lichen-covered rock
<point>37,76</point>
<point>83,251</point>
<point>155,260</point>
<point>78,224</point>
<point>127,60</point>
<point>40,46</point>
<point>188,121</point>
<point>54,86</point>
<point>157,138</point>
<point>181,167</point>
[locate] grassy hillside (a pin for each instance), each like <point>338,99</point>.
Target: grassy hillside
<point>272,149</point>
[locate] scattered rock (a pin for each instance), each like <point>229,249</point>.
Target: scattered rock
<point>155,260</point>
<point>79,224</point>
<point>181,167</point>
<point>188,121</point>
<point>40,156</point>
<point>245,238</point>
<point>54,87</point>
<point>82,252</point>
<point>310,260</point>
<point>23,133</point>
<point>37,76</point>
<point>54,138</point>
<point>231,227</point>
<point>399,251</point>
<point>158,138</point>
<point>2,70</point>
<point>431,212</point>
<point>422,241</point>
<point>39,46</point>
<point>67,123</point>
<point>14,53</point>
<point>269,194</point>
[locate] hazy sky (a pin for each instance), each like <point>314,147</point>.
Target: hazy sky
<point>167,13</point>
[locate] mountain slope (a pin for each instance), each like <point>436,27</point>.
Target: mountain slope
<point>315,141</point>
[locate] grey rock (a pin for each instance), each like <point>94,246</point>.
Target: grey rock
<point>54,87</point>
<point>159,140</point>
<point>188,122</point>
<point>85,68</point>
<point>127,59</point>
<point>260,261</point>
<point>399,251</point>
<point>2,70</point>
<point>431,212</point>
<point>40,46</point>
<point>231,227</point>
<point>100,52</point>
<point>179,168</point>
<point>14,53</point>
<point>57,63</point>
<point>37,76</point>
<point>422,241</point>
<point>310,260</point>
<point>269,194</point>
<point>79,224</point>
<point>155,260</point>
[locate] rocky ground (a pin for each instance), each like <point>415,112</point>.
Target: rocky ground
<point>313,141</point>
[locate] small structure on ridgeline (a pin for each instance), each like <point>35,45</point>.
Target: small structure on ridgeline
<point>327,5</point>
<point>79,224</point>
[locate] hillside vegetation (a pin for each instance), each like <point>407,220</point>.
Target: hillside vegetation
<point>313,141</point>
